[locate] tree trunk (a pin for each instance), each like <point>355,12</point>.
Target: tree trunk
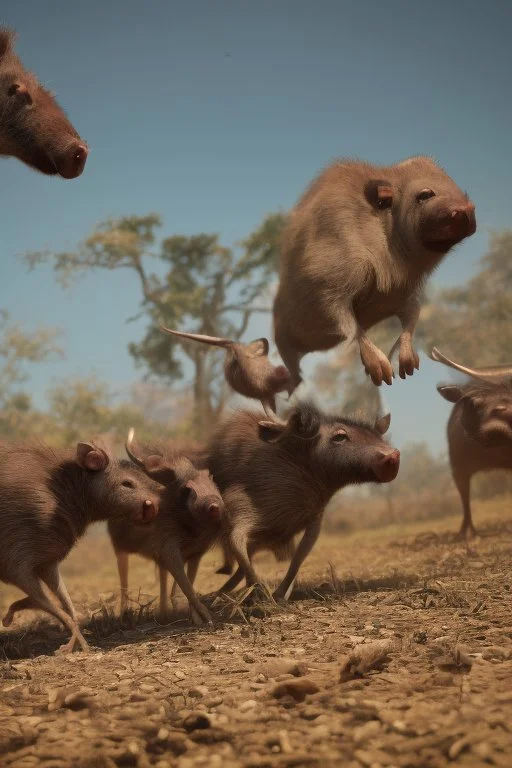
<point>203,410</point>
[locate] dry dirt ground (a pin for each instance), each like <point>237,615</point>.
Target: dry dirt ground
<point>396,650</point>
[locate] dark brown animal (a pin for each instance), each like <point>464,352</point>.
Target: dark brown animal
<point>479,428</point>
<point>47,500</point>
<point>33,127</point>
<point>276,478</point>
<point>357,249</point>
<point>187,526</point>
<point>247,368</point>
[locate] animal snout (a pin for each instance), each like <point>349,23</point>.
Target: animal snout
<point>461,221</point>
<point>71,163</point>
<point>149,511</point>
<point>214,508</point>
<point>386,468</point>
<point>503,412</point>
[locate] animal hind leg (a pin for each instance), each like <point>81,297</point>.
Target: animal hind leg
<point>42,597</point>
<point>305,546</point>
<point>24,604</point>
<point>467,529</point>
<point>54,580</point>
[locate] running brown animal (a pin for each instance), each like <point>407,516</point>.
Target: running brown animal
<point>47,499</point>
<point>276,478</point>
<point>187,526</point>
<point>479,429</point>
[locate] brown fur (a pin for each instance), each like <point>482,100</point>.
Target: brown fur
<point>247,368</point>
<point>33,127</point>
<point>479,430</point>
<point>277,477</point>
<point>357,249</point>
<point>187,526</point>
<point>47,500</point>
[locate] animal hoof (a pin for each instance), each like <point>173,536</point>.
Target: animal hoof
<point>408,362</point>
<point>226,569</point>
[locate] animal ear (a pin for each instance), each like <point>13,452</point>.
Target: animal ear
<point>382,424</point>
<point>193,493</point>
<point>379,193</point>
<point>450,392</point>
<point>6,41</point>
<point>270,431</point>
<point>91,457</point>
<point>258,348</point>
<point>470,417</point>
<point>304,422</point>
<point>157,469</point>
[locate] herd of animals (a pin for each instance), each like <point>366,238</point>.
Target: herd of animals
<point>357,249</point>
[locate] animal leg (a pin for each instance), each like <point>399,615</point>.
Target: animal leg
<point>238,539</point>
<point>233,582</point>
<point>467,529</point>
<point>227,566</point>
<point>54,580</point>
<point>164,606</point>
<point>291,357</point>
<point>172,560</point>
<point>192,567</point>
<point>24,604</point>
<point>375,362</point>
<point>305,546</point>
<point>408,359</point>
<point>42,597</point>
<point>122,567</point>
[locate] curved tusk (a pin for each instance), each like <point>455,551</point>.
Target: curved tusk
<point>216,341</point>
<point>493,374</point>
<point>128,448</point>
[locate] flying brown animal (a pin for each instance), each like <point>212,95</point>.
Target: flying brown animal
<point>357,249</point>
<point>247,368</point>
<point>33,126</point>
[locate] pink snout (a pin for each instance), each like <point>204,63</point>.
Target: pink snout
<point>503,412</point>
<point>387,466</point>
<point>214,509</point>
<point>148,512</point>
<point>461,222</point>
<point>70,163</point>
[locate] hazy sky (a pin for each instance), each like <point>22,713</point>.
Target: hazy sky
<point>214,113</point>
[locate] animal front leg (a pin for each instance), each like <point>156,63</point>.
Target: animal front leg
<point>408,359</point>
<point>467,529</point>
<point>122,567</point>
<point>172,560</point>
<point>164,606</point>
<point>233,581</point>
<point>239,542</point>
<point>305,546</point>
<point>375,362</point>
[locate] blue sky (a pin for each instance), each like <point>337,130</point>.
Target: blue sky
<point>214,142</point>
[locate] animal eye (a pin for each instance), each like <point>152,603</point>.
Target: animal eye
<point>339,437</point>
<point>425,194</point>
<point>128,484</point>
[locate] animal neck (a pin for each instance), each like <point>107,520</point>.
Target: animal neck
<point>77,505</point>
